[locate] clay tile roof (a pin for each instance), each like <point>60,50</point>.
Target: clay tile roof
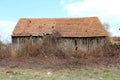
<point>115,38</point>
<point>67,27</point>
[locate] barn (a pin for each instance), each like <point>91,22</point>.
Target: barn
<point>73,34</point>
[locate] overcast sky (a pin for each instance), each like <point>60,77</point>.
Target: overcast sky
<point>11,10</point>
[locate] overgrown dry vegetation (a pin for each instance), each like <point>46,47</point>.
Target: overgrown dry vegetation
<point>5,50</point>
<point>49,56</point>
<point>46,49</point>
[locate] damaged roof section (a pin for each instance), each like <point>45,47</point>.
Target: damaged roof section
<point>67,27</point>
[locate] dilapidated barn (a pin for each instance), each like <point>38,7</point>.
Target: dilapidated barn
<point>72,34</point>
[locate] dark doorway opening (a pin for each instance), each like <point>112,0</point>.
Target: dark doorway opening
<point>76,48</point>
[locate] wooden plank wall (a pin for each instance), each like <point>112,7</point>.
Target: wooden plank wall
<point>68,45</point>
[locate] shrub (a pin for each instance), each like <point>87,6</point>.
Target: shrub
<point>5,50</point>
<point>49,48</point>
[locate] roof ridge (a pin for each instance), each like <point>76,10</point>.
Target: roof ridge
<point>62,18</point>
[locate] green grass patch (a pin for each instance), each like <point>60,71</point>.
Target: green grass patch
<point>63,74</point>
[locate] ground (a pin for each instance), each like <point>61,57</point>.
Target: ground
<point>62,74</point>
<point>36,68</point>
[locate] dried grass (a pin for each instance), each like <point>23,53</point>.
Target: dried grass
<point>46,49</point>
<point>5,50</point>
<point>46,55</point>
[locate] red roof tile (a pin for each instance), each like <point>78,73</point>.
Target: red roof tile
<point>116,38</point>
<point>67,27</point>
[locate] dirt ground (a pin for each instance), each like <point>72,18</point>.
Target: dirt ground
<point>53,68</point>
<point>58,63</point>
